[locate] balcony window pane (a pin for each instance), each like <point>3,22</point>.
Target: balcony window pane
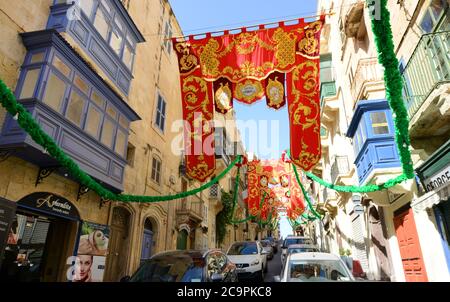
<point>118,23</point>
<point>37,57</point>
<point>379,123</point>
<point>108,132</point>
<point>112,112</point>
<point>61,66</point>
<point>93,120</point>
<point>116,42</point>
<point>101,24</point>
<point>29,84</point>
<point>54,92</point>
<point>123,122</point>
<point>75,108</point>
<point>86,7</point>
<point>81,84</point>
<point>120,142</point>
<point>128,56</point>
<point>97,99</point>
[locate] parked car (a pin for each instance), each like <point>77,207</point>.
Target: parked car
<point>267,246</point>
<point>250,259</point>
<point>186,266</point>
<point>314,267</point>
<point>293,240</point>
<point>274,243</point>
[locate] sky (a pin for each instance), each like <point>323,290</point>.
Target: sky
<point>201,16</point>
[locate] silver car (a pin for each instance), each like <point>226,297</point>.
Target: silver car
<point>314,267</point>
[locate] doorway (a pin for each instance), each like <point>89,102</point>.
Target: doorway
<point>378,237</point>
<point>116,263</point>
<point>37,248</point>
<point>408,241</point>
<point>182,240</point>
<point>147,241</point>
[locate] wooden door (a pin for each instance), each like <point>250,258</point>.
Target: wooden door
<point>410,251</point>
<point>147,245</point>
<point>182,240</point>
<point>118,246</point>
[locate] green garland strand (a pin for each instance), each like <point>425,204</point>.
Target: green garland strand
<point>27,122</point>
<point>308,201</point>
<point>382,30</point>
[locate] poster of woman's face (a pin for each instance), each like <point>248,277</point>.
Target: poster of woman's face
<point>89,268</point>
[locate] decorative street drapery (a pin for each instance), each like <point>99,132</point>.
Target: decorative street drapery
<point>277,63</point>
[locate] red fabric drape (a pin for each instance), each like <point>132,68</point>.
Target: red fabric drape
<point>270,62</point>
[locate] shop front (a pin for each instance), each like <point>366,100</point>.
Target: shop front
<point>435,202</point>
<point>42,236</point>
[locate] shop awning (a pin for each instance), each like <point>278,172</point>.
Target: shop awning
<point>431,199</point>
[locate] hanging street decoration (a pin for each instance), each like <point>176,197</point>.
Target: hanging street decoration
<point>280,64</point>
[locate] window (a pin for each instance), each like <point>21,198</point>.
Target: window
<point>433,15</point>
<point>379,123</point>
<point>167,36</point>
<point>54,92</point>
<point>108,132</point>
<point>100,24</point>
<point>109,25</point>
<point>86,6</point>
<point>75,108</point>
<point>29,84</point>
<point>73,95</point>
<point>156,170</point>
<point>131,151</point>
<point>161,113</point>
<point>93,120</point>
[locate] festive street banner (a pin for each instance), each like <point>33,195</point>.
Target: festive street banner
<point>278,63</point>
<point>272,185</point>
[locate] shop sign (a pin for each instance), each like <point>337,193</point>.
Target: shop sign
<point>7,212</point>
<point>438,180</point>
<point>50,203</point>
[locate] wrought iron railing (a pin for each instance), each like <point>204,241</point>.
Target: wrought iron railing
<point>428,67</point>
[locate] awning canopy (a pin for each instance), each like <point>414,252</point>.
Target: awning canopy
<point>431,199</point>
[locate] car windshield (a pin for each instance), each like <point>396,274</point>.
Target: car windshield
<point>290,241</point>
<point>317,271</point>
<point>243,248</point>
<point>170,268</point>
<point>302,250</point>
<point>265,243</point>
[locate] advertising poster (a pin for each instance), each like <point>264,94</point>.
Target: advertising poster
<point>92,251</point>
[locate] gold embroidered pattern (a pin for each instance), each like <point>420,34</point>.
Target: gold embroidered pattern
<point>275,93</point>
<point>285,52</point>
<point>248,69</point>
<point>249,91</point>
<point>187,61</point>
<point>309,44</point>
<point>208,57</point>
<point>201,170</point>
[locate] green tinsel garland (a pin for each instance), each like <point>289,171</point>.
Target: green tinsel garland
<point>27,122</point>
<point>305,194</point>
<point>381,28</point>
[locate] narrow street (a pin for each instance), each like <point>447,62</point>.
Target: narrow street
<point>274,266</point>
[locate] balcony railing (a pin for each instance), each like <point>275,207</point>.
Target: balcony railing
<point>428,67</point>
<point>192,205</point>
<point>339,167</point>
<point>368,70</point>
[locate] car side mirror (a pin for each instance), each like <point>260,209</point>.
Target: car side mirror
<point>276,279</point>
<point>217,277</point>
<point>125,279</point>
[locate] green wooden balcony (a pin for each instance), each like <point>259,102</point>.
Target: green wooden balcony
<point>427,69</point>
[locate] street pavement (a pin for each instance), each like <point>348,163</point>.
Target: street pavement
<point>274,266</point>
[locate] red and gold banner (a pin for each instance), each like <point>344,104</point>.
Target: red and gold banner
<point>251,65</point>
